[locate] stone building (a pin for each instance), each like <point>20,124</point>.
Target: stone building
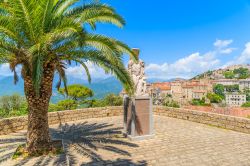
<point>199,94</point>
<point>235,99</point>
<point>225,82</point>
<point>244,84</point>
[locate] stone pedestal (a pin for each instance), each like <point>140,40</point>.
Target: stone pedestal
<point>138,118</point>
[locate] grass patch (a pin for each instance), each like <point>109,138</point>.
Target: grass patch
<point>21,152</point>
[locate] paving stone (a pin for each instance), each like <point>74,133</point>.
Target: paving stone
<point>176,143</point>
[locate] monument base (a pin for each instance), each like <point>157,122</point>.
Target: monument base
<point>138,122</point>
<point>140,138</point>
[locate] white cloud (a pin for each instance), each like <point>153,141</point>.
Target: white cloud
<point>222,43</point>
<point>79,72</point>
<point>222,46</point>
<point>5,70</point>
<point>186,67</point>
<point>245,56</point>
<point>191,65</point>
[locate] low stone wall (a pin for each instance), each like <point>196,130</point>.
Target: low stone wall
<point>10,125</point>
<point>218,120</point>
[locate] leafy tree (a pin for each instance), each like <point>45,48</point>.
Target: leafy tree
<point>229,74</point>
<point>247,104</point>
<point>171,103</point>
<point>214,98</point>
<point>242,73</point>
<point>13,105</point>
<point>67,104</point>
<point>109,100</point>
<point>247,92</point>
<point>232,88</point>
<point>76,92</point>
<point>199,102</point>
<point>43,37</point>
<point>219,90</point>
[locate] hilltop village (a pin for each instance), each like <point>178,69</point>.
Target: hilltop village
<point>229,87</point>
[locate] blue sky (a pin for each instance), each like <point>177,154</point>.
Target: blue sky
<point>180,38</point>
<point>170,30</point>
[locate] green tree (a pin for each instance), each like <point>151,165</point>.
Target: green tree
<point>109,100</point>
<point>247,104</point>
<point>43,37</point>
<point>242,73</point>
<point>214,98</point>
<point>229,74</point>
<point>247,92</point>
<point>219,90</point>
<point>13,105</point>
<point>171,103</point>
<point>67,104</point>
<point>232,88</point>
<point>76,92</point>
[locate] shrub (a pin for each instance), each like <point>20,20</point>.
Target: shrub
<point>219,90</point>
<point>13,105</point>
<point>199,102</point>
<point>171,104</point>
<point>109,100</point>
<point>214,98</point>
<point>229,74</point>
<point>66,105</point>
<point>247,104</point>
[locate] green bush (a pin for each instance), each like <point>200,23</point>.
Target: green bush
<point>241,73</point>
<point>219,90</point>
<point>13,105</point>
<point>171,104</point>
<point>67,105</point>
<point>199,102</point>
<point>109,100</point>
<point>229,74</point>
<point>214,98</point>
<point>247,104</point>
<point>232,88</point>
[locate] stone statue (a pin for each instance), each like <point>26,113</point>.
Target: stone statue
<point>136,71</point>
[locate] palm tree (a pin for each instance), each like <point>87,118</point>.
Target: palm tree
<point>43,37</point>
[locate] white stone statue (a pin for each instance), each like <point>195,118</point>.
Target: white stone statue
<point>136,71</point>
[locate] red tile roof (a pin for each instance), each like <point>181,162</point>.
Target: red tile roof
<point>162,86</point>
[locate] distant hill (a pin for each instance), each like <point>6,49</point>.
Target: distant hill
<point>230,72</point>
<point>100,87</point>
<point>153,80</point>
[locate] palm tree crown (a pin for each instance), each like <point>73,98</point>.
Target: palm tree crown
<point>36,32</point>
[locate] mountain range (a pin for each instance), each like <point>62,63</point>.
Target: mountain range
<point>100,87</point>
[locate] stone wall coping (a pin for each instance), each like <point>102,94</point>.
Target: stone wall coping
<point>201,112</point>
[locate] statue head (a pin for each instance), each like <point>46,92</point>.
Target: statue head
<point>136,51</point>
<point>142,64</point>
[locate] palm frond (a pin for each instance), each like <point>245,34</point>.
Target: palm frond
<point>37,32</point>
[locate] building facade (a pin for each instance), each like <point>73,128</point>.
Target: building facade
<point>244,84</point>
<point>235,99</point>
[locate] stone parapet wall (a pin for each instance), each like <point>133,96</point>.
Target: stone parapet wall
<point>10,125</point>
<point>223,121</point>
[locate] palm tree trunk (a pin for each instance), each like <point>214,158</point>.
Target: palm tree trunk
<point>38,137</point>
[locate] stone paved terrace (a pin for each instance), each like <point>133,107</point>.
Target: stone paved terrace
<point>177,142</point>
